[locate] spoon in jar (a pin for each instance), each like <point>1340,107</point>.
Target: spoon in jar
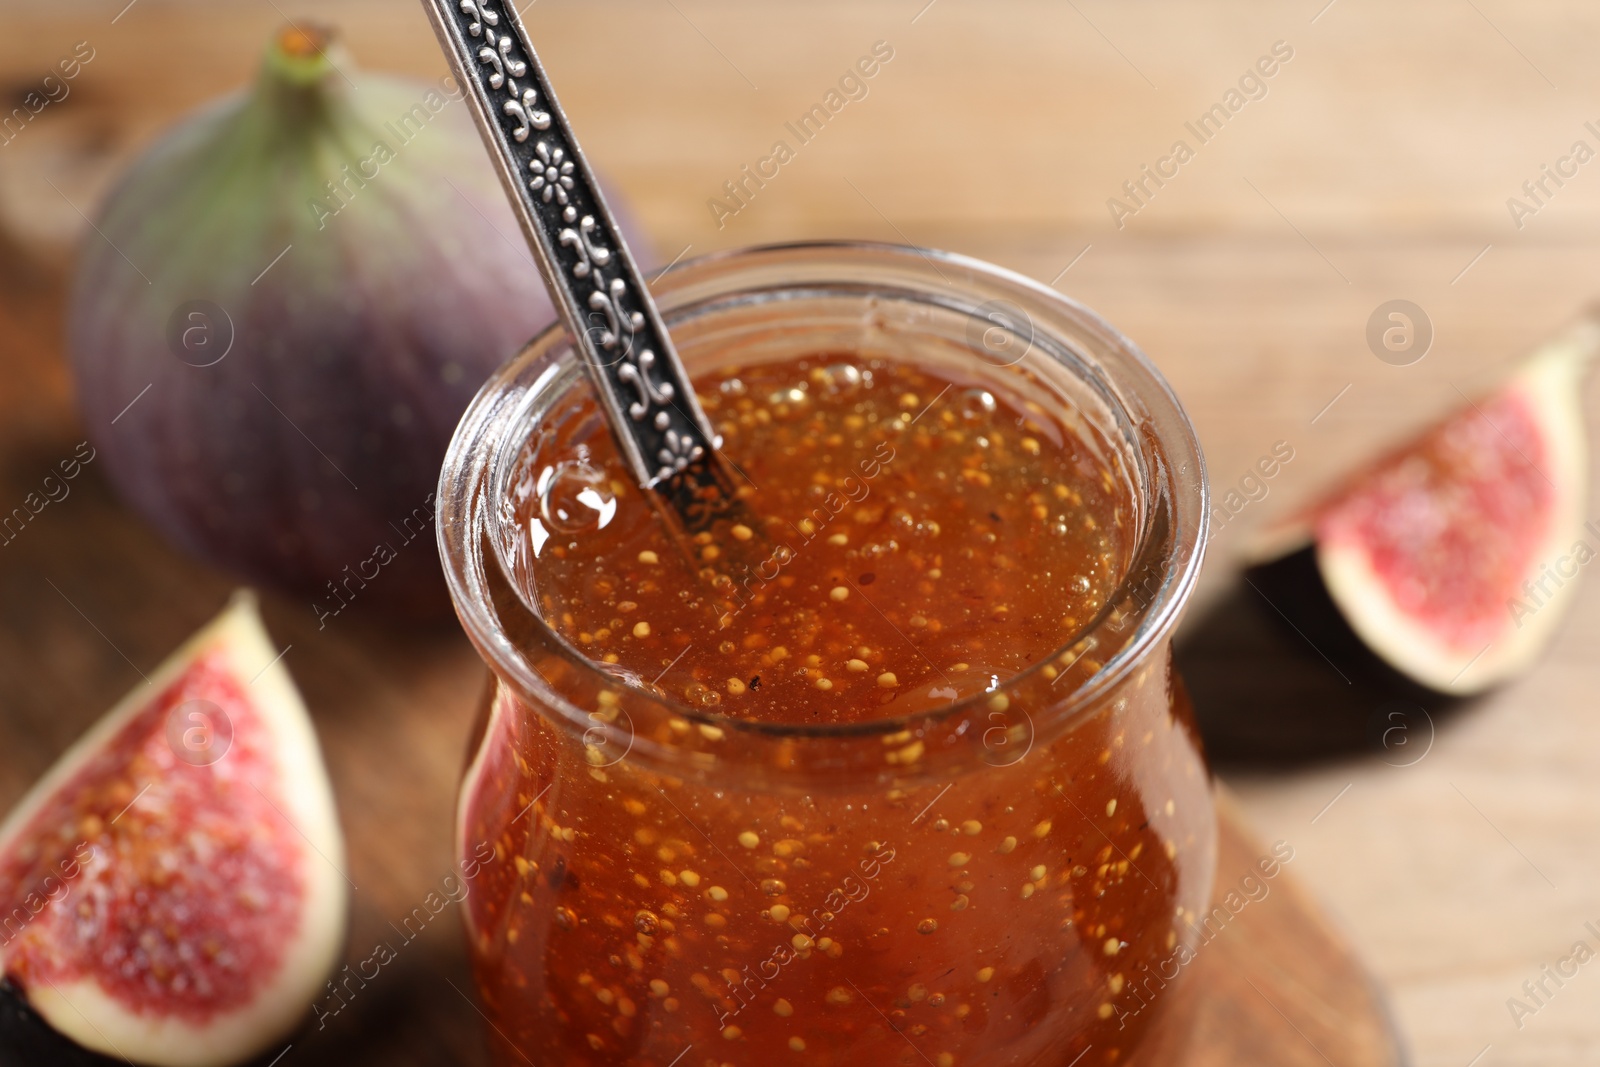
<point>660,428</point>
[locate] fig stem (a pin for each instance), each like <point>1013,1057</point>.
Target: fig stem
<point>298,54</point>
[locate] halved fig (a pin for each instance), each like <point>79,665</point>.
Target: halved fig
<point>172,892</point>
<point>1453,556</point>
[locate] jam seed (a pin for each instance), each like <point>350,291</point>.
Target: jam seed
<point>749,839</point>
<point>783,1008</point>
<point>779,913</point>
<point>888,680</point>
<point>839,593</point>
<point>798,1044</point>
<point>985,974</point>
<point>641,629</point>
<point>857,666</point>
<point>972,827</point>
<point>910,754</point>
<point>717,893</point>
<point>649,558</point>
<point>741,532</point>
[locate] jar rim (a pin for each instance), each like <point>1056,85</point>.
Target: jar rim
<point>479,451</point>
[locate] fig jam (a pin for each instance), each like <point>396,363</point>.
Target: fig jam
<point>910,543</point>
<point>910,535</point>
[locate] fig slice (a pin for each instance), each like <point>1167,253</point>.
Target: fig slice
<point>1453,556</point>
<point>172,891</point>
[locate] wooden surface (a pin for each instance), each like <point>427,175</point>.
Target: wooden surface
<point>1274,983</point>
<point>1376,167</point>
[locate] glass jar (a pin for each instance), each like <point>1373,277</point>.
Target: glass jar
<point>1010,878</point>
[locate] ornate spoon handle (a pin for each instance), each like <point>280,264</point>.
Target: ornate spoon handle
<point>592,277</point>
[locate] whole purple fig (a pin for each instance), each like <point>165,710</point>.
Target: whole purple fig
<point>287,305</point>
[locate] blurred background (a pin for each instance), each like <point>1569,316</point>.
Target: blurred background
<point>1374,164</point>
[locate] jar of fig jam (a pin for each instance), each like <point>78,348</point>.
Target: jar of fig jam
<point>893,767</point>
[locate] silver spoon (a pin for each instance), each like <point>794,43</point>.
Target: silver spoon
<point>649,403</point>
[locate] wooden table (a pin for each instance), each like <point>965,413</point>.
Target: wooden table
<point>1377,166</point>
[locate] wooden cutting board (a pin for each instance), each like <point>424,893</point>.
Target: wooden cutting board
<point>1276,983</point>
<point>90,598</point>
